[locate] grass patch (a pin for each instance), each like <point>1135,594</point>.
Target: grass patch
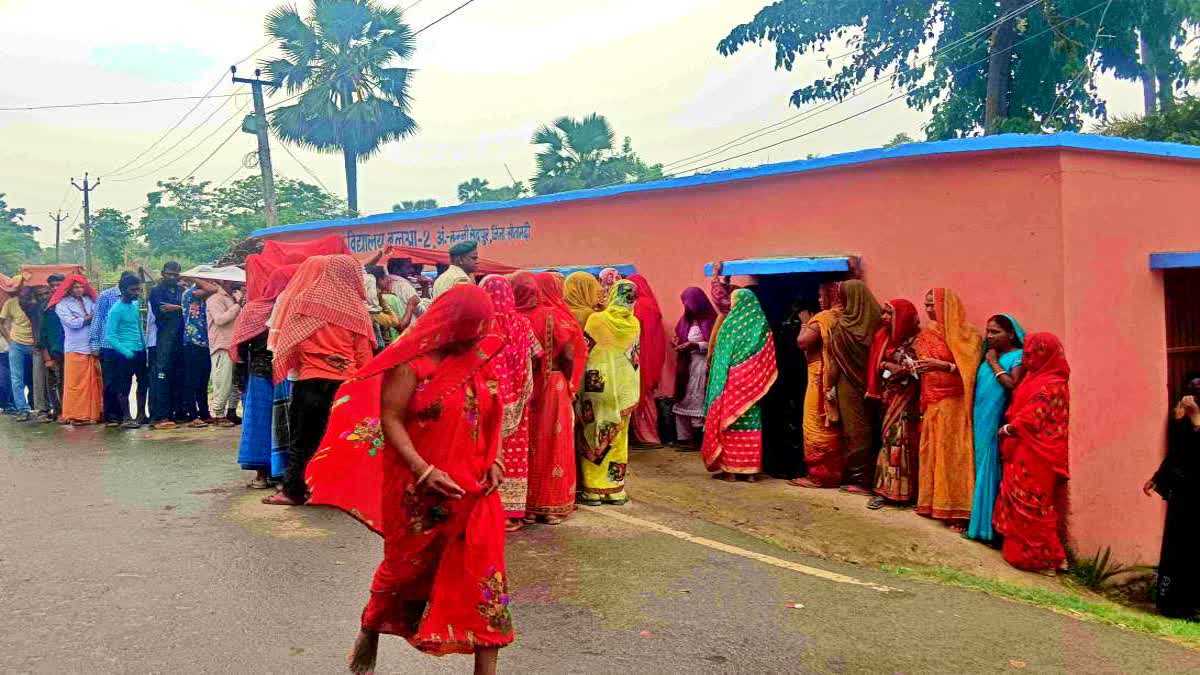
<point>1099,611</point>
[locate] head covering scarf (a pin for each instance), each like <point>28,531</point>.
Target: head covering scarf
<point>905,323</point>
<point>696,309</point>
<point>854,332</point>
<point>371,284</point>
<point>513,364</point>
<point>612,386</point>
<point>65,287</point>
<point>252,320</point>
<point>581,291</point>
<point>550,292</point>
<point>347,472</point>
<point>525,291</point>
<point>566,330</point>
<point>1042,400</point>
<point>327,289</point>
<point>653,341</point>
<point>742,371</point>
<point>608,277</point>
<point>960,336</point>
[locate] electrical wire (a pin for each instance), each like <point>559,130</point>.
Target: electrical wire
<point>829,105</point>
<point>305,167</point>
<point>103,103</point>
<point>237,113</point>
<point>140,166</point>
<point>447,15</point>
<point>1087,67</point>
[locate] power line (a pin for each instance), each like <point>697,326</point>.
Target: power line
<point>447,15</point>
<point>1087,68</point>
<point>104,103</point>
<point>190,150</point>
<point>885,102</point>
<point>303,166</point>
<point>828,105</point>
<point>142,165</point>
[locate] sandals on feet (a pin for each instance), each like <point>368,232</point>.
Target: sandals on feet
<point>876,503</point>
<point>279,499</point>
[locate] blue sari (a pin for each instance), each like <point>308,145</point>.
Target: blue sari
<point>991,400</point>
<point>254,451</point>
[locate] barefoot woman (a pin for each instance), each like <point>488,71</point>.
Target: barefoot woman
<point>411,451</point>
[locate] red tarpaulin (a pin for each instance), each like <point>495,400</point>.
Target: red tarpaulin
<point>275,255</point>
<point>425,256</point>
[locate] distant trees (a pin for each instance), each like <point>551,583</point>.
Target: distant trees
<point>17,244</point>
<point>580,153</point>
<point>112,233</point>
<point>479,190</point>
<point>1180,123</point>
<point>415,205</point>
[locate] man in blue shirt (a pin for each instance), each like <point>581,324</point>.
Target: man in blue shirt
<point>196,362</point>
<point>100,345</point>
<point>126,347</point>
<point>166,302</point>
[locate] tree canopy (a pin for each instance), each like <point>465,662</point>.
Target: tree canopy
<point>415,205</point>
<point>17,243</point>
<point>112,233</point>
<point>1180,123</point>
<point>339,60</point>
<point>580,153</point>
<point>479,190</point>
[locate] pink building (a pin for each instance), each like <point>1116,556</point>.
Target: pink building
<point>1092,238</point>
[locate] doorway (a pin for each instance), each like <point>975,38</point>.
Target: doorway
<point>1181,288</point>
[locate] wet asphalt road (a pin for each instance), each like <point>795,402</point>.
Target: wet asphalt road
<point>142,552</point>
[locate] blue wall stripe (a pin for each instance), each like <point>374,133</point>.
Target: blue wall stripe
<point>1174,260</point>
<point>761,266</point>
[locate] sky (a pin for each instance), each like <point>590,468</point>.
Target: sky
<point>487,77</point>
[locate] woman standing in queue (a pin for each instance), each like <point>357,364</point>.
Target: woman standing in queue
<point>823,445</point>
<point>412,451</point>
<point>581,291</point>
<point>74,302</point>
<point>743,370</point>
<point>551,495</point>
<point>611,388</point>
<point>949,351</point>
<point>693,332</point>
<point>892,381</point>
<point>1033,444</point>
<point>850,345</point>
<point>653,350</point>
<point>998,375</point>
<point>514,367</point>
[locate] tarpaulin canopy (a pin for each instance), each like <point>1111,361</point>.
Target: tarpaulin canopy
<point>37,275</point>
<point>425,256</point>
<point>210,273</point>
<point>276,255</point>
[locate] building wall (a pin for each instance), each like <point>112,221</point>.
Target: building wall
<point>1116,211</point>
<point>988,225</point>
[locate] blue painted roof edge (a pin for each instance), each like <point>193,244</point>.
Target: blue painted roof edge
<point>1174,260</point>
<point>1070,141</point>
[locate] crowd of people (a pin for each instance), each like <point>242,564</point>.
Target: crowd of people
<point>443,414</point>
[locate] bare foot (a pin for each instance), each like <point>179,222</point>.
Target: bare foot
<point>804,483</point>
<point>727,477</point>
<point>514,524</point>
<point>280,499</point>
<point>752,478</point>
<point>363,654</point>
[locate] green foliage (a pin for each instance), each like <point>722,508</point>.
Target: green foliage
<point>579,154</point>
<point>1052,86</point>
<point>340,56</point>
<point>17,244</point>
<point>1095,572</point>
<point>1164,26</point>
<point>1178,124</point>
<point>899,139</point>
<point>415,205</point>
<point>478,190</point>
<point>112,232</point>
<point>241,204</point>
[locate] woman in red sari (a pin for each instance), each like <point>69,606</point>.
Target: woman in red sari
<point>1033,449</point>
<point>551,496</point>
<point>515,367</point>
<point>890,380</point>
<point>654,355</point>
<point>412,451</point>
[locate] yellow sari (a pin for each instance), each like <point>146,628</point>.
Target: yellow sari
<point>611,390</point>
<point>582,294</point>
<point>822,430</point>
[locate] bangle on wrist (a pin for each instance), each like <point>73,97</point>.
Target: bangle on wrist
<point>499,463</point>
<point>425,474</point>
<point>999,371</point>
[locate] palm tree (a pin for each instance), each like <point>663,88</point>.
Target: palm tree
<point>340,57</point>
<point>581,154</point>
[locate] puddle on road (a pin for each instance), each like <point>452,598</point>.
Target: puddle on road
<point>280,522</point>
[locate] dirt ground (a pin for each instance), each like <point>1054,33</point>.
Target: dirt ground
<point>825,523</point>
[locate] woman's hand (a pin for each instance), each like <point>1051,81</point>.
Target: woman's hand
<point>992,358</point>
<point>492,479</point>
<point>931,365</point>
<point>440,483</point>
<point>1149,487</point>
<point>1007,431</point>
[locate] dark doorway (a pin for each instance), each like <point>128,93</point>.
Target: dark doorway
<point>1182,291</point>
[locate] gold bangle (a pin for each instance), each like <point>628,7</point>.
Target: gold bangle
<point>428,470</point>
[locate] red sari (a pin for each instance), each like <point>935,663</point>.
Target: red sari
<point>514,366</point>
<point>552,417</point>
<point>653,353</point>
<point>442,584</point>
<point>1035,458</point>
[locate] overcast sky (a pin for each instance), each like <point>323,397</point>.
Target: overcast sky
<point>489,75</point>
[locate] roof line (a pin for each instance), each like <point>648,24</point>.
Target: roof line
<point>1068,141</point>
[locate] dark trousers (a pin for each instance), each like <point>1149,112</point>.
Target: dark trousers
<point>307,417</point>
<point>141,370</point>
<point>196,369</point>
<point>168,386</point>
<point>151,378</point>
<point>109,365</point>
<point>120,382</point>
<point>54,384</point>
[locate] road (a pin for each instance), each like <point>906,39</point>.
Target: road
<point>139,552</point>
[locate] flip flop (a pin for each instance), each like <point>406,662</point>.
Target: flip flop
<point>876,503</point>
<point>279,499</point>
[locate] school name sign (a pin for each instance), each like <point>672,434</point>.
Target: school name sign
<point>438,237</point>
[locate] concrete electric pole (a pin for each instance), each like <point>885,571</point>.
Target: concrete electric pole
<point>264,149</point>
<point>87,190</point>
<point>58,218</point>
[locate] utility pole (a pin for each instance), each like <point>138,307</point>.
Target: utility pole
<point>264,148</point>
<point>58,218</point>
<point>87,190</point>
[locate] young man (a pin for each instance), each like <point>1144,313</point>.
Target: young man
<point>108,356</point>
<point>17,330</point>
<point>50,340</point>
<point>166,302</point>
<point>400,270</point>
<point>223,309</point>
<point>123,335</point>
<point>464,262</point>
<point>33,302</point>
<point>196,359</point>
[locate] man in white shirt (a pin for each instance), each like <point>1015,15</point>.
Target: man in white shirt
<point>464,261</point>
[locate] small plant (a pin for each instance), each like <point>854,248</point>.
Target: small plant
<point>1095,572</point>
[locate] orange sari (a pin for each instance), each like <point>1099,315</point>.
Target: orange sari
<point>946,482</point>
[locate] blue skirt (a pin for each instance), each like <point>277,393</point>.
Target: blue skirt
<point>281,437</point>
<point>254,451</point>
